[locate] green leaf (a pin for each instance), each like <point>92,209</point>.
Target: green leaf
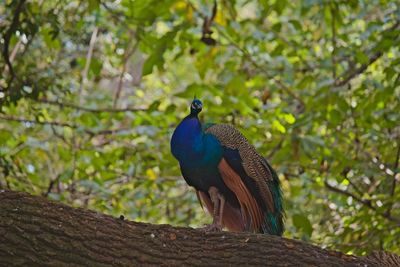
<point>157,57</point>
<point>302,224</point>
<point>93,4</point>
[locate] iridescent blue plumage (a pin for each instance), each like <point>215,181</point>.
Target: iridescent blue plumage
<point>198,154</point>
<point>236,185</point>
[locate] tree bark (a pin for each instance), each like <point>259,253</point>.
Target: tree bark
<point>37,232</point>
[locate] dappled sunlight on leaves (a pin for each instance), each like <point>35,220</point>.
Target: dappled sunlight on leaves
<point>90,92</point>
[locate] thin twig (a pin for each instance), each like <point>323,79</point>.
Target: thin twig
<point>397,79</point>
<point>7,37</point>
<point>88,60</point>
<point>334,44</point>
<point>51,185</point>
<point>393,187</point>
<point>15,50</point>
<point>359,70</point>
<point>344,174</point>
<point>366,203</point>
<point>117,16</point>
<point>277,81</point>
<point>395,167</point>
<point>24,120</point>
<point>127,54</point>
<point>341,81</point>
<point>289,92</point>
<point>275,149</point>
<point>94,110</point>
<point>63,124</point>
<point>60,136</point>
<point>354,186</point>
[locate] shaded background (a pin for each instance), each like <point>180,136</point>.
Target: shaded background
<point>90,92</point>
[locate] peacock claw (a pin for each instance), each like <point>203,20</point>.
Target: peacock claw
<point>212,228</point>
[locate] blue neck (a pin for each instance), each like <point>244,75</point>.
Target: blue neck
<point>187,140</point>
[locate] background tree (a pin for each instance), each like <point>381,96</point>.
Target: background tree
<point>90,92</point>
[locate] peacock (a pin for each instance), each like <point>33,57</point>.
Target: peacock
<point>236,184</point>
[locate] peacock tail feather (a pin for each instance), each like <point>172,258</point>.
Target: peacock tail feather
<point>256,174</point>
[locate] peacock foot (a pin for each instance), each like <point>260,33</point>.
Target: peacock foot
<point>214,227</point>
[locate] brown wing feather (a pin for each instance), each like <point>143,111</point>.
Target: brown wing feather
<point>251,211</point>
<point>231,217</point>
<point>253,163</point>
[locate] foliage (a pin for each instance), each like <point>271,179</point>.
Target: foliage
<point>91,91</point>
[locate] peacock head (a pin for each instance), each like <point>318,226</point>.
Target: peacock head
<point>196,107</point>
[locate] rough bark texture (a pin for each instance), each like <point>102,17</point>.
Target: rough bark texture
<point>38,232</point>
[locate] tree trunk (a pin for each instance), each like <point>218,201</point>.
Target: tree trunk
<point>37,232</point>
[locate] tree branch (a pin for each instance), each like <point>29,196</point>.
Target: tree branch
<point>275,148</point>
<point>393,187</point>
<point>51,185</point>
<point>94,110</point>
<point>289,92</point>
<point>358,71</point>
<point>88,60</point>
<point>334,11</point>
<point>35,231</point>
<point>395,167</point>
<point>127,54</point>
<point>63,124</point>
<point>366,203</point>
<point>8,34</point>
<point>341,81</point>
<point>277,81</point>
